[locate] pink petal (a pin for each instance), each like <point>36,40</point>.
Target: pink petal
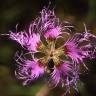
<point>53,33</point>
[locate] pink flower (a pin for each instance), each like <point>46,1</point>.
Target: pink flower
<point>40,42</point>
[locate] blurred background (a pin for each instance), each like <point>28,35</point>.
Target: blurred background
<point>22,12</point>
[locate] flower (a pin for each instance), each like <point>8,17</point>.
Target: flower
<point>62,71</point>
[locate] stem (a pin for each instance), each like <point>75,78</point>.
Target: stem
<point>44,91</point>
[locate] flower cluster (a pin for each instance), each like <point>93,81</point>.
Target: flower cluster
<point>61,63</point>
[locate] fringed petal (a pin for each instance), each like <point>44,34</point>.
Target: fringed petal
<point>28,70</point>
<point>20,37</point>
<point>60,73</point>
<point>90,51</point>
<point>30,42</point>
<point>53,33</point>
<point>72,49</point>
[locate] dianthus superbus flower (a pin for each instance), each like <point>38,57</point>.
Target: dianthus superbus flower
<point>60,63</point>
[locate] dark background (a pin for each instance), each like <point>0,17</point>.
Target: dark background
<point>22,12</point>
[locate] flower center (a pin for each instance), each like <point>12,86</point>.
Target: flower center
<point>51,53</point>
